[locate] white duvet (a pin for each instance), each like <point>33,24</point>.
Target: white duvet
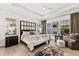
<point>34,40</point>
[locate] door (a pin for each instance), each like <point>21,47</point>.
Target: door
<point>43,26</point>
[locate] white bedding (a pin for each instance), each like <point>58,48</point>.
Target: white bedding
<point>34,40</point>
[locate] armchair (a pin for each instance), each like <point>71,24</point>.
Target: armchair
<point>73,42</point>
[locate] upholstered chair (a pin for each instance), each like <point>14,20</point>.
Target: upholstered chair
<point>73,42</point>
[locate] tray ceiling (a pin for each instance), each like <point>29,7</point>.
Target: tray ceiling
<point>40,10</point>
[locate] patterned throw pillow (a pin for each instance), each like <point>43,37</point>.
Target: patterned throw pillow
<point>74,36</point>
<point>32,33</point>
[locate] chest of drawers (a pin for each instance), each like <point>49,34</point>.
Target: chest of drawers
<point>11,40</point>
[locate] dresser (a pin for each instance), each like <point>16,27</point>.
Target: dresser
<point>11,41</point>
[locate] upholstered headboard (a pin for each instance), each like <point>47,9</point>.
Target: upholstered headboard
<point>27,26</point>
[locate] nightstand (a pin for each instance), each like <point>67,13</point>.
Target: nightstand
<point>11,41</point>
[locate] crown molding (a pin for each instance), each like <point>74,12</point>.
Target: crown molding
<point>27,9</point>
<point>63,12</point>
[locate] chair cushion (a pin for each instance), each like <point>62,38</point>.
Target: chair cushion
<point>71,41</point>
<point>74,36</point>
<point>71,36</point>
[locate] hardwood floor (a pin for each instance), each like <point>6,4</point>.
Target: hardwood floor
<point>70,52</point>
<point>22,50</point>
<point>18,50</point>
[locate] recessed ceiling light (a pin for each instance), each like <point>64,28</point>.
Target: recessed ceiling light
<point>44,8</point>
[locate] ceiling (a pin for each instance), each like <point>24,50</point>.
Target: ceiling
<point>44,10</point>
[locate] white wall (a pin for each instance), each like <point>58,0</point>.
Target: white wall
<point>9,14</point>
<point>58,18</point>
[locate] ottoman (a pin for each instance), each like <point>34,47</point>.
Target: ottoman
<point>60,43</point>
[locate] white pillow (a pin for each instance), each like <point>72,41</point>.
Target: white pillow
<point>25,33</point>
<point>37,33</point>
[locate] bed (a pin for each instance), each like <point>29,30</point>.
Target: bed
<point>31,40</point>
<point>34,40</point>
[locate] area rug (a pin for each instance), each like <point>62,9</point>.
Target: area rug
<point>49,51</point>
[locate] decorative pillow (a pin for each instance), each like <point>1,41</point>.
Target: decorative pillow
<point>74,36</point>
<point>32,33</point>
<point>25,33</point>
<point>37,33</point>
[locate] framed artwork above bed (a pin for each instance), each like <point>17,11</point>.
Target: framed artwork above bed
<point>27,26</point>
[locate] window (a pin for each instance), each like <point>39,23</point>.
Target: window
<point>10,25</point>
<point>64,27</point>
